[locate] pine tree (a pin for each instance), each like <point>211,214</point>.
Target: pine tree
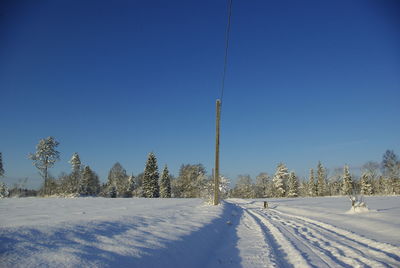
<point>321,183</point>
<point>280,179</point>
<point>347,186</point>
<point>293,185</point>
<point>45,157</point>
<point>150,179</point>
<point>312,187</point>
<point>1,166</point>
<point>165,184</point>
<point>366,187</point>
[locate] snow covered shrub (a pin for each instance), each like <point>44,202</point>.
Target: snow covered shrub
<point>358,204</point>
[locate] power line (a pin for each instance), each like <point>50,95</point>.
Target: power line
<point>227,35</point>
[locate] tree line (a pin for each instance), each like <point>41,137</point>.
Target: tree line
<point>376,179</point>
<point>193,182</point>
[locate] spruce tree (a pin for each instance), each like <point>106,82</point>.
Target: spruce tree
<point>347,186</point>
<point>73,183</point>
<point>280,179</point>
<point>75,162</point>
<point>150,179</point>
<point>1,166</point>
<point>321,183</point>
<point>165,184</point>
<point>90,184</point>
<point>365,181</point>
<point>312,187</point>
<point>293,184</point>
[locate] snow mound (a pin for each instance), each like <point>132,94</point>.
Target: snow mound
<point>359,207</point>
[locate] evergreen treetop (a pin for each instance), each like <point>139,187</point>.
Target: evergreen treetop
<point>75,162</point>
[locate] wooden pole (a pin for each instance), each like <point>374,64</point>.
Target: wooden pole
<point>216,170</point>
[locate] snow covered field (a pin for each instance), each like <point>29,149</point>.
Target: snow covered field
<point>100,232</point>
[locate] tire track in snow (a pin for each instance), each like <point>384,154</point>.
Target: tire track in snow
<point>340,245</point>
<point>339,252</point>
<point>275,256</point>
<point>302,242</point>
<point>312,254</point>
<point>279,243</point>
<point>383,254</point>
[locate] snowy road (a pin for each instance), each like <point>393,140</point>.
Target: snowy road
<point>100,232</point>
<point>290,240</point>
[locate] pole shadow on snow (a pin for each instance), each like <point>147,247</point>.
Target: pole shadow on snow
<point>212,245</point>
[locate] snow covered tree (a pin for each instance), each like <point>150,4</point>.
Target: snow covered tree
<point>118,179</point>
<point>365,184</point>
<point>1,166</point>
<point>75,162</point>
<point>280,179</point>
<point>321,180</point>
<point>165,184</point>
<point>71,183</point>
<point>90,184</point>
<point>391,171</point>
<point>112,191</point>
<point>244,187</point>
<point>130,186</point>
<point>190,182</point>
<point>293,185</point>
<point>224,183</point>
<point>390,164</point>
<point>312,187</point>
<point>3,190</point>
<point>45,157</point>
<point>138,189</point>
<point>347,185</point>
<point>262,185</point>
<point>150,179</point>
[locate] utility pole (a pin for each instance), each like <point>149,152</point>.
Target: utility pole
<point>216,170</point>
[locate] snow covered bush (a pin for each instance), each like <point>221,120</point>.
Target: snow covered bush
<point>358,204</point>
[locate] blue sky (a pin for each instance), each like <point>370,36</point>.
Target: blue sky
<point>114,80</point>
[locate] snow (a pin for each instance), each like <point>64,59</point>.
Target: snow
<point>138,232</point>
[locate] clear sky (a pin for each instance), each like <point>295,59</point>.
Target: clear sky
<point>115,80</point>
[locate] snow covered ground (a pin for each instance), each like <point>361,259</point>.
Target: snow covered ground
<point>100,232</point>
